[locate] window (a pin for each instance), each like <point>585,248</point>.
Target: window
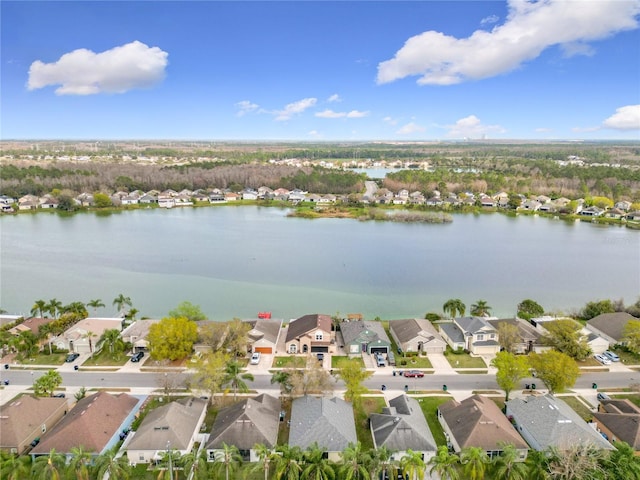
<point>492,336</point>
<point>141,457</point>
<point>318,336</point>
<point>293,348</point>
<point>480,337</point>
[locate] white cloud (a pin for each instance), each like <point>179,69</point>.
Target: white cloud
<point>410,128</point>
<point>334,98</point>
<point>331,114</point>
<point>531,27</point>
<point>295,108</point>
<point>489,20</point>
<point>83,72</point>
<point>390,120</point>
<point>314,134</point>
<point>472,127</point>
<point>625,118</point>
<point>245,106</point>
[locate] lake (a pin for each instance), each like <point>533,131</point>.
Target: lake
<point>237,261</point>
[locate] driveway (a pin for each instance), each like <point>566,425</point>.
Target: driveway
<point>440,363</point>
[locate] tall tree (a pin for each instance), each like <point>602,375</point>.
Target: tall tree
<point>288,462</point>
<point>79,463</point>
<point>312,379</point>
<point>188,310</point>
<point>507,466</point>
<point>383,462</point>
<point>480,309</point>
<point>316,466</point>
<point>631,335</point>
<point>621,463</point>
<point>445,464</point>
<point>508,336</point>
<point>26,343</point>
<point>413,465</point>
<point>474,462</point>
<point>576,462</point>
<point>53,307</point>
<point>195,464</point>
<point>121,302</point>
<point>557,370</point>
<point>14,466</point>
<point>172,338</point>
<point>267,457</point>
<point>39,307</point>
<point>95,304</point>
<point>511,369</point>
<point>353,375</point>
<point>529,309</point>
<point>111,464</point>
<point>234,378</point>
<point>49,467</point>
<point>210,373</point>
<point>353,463</point>
<point>227,461</point>
<point>564,335</point>
<point>47,383</point>
<point>113,341</point>
<point>537,465</point>
<point>454,306</point>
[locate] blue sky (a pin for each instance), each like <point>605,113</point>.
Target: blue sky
<point>304,70</point>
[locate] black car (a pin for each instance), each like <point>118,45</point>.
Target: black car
<point>71,357</point>
<point>58,395</point>
<point>137,357</point>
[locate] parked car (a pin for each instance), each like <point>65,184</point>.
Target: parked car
<point>602,359</point>
<point>58,395</point>
<point>413,373</point>
<point>72,357</point>
<point>602,396</point>
<point>137,357</point>
<point>255,358</point>
<point>321,357</point>
<point>611,356</point>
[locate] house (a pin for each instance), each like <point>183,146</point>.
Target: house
<point>487,202</point>
<point>610,326</point>
<point>28,202</point>
<point>249,194</point>
<point>619,420</point>
<point>231,196</point>
<point>183,200</point>
<point>264,335</point>
<point>313,198</point>
<point>166,201</point>
<point>474,334</point>
<point>136,334</point>
<point>361,336</point>
<point>401,427</point>
<point>82,337</point>
<point>596,343</point>
<point>31,324</point>
<point>217,198</point>
<point>531,205</point>
<point>148,199</point>
<point>130,199</point>
<point>310,333</point>
<point>48,202</point>
<point>327,422</point>
<point>417,335</point>
<point>478,422</point>
<point>633,216</point>
<point>175,425</point>
<point>546,421</point>
<point>245,424</point>
<point>615,213</point>
<point>28,418</point>
<point>529,339</point>
<point>592,211</point>
<point>623,205</point>
<point>94,423</point>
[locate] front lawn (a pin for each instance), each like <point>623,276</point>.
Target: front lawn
<point>627,357</point>
<point>429,407</point>
<point>363,432</point>
<point>291,361</point>
<point>104,358</point>
<point>338,360</point>
<point>413,362</point>
<point>463,360</point>
<point>580,408</point>
<point>43,358</point>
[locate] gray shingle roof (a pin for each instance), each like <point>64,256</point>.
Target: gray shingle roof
<point>612,324</point>
<point>265,329</point>
<point>452,331</point>
<point>329,422</point>
<point>402,427</point>
<point>550,421</point>
<point>363,331</point>
<point>409,329</point>
<point>251,421</point>
<point>473,324</point>
<point>175,422</point>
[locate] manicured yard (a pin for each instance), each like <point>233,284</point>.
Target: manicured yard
<point>464,360</point>
<point>590,362</point>
<point>288,362</point>
<point>626,357</point>
<point>104,358</point>
<point>429,407</point>
<point>283,431</point>
<point>585,413</point>
<point>45,359</point>
<point>369,405</point>
<point>338,360</point>
<point>413,362</point>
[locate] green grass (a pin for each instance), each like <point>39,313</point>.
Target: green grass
<point>413,362</point>
<point>104,358</point>
<point>632,397</point>
<point>283,431</point>
<point>626,357</point>
<point>464,360</point>
<point>363,432</point>
<point>429,407</point>
<point>288,362</point>
<point>44,359</point>
<point>338,360</point>
<point>585,413</point>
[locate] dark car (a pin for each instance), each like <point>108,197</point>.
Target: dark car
<point>413,373</point>
<point>320,357</point>
<point>137,357</point>
<point>72,357</point>
<point>58,395</point>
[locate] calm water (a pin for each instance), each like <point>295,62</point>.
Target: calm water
<point>236,261</point>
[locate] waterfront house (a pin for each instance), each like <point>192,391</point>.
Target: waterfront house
<point>417,335</point>
<point>327,422</point>
<point>546,421</point>
<point>264,334</point>
<point>82,337</point>
<point>610,326</point>
<point>592,211</point>
<point>95,423</point>
<point>474,334</point>
<point>401,427</point>
<point>529,339</point>
<point>175,425</point>
<point>310,333</point>
<point>624,205</point>
<point>31,324</point>
<point>619,420</point>
<point>249,194</point>
<point>166,201</point>
<point>245,424</point>
<point>361,336</point>
<point>137,333</point>
<point>25,419</point>
<point>478,422</point>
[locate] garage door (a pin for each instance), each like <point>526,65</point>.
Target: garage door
<point>319,349</point>
<point>267,350</point>
<point>434,349</point>
<point>379,350</point>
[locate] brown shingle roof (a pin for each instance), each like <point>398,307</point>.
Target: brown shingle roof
<point>19,418</point>
<point>305,324</point>
<point>622,418</point>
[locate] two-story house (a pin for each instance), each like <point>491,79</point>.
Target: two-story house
<point>310,333</point>
<point>474,334</point>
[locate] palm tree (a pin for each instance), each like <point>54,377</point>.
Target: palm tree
<point>412,464</point>
<point>26,343</point>
<point>165,467</point>
<point>317,467</point>
<point>196,464</point>
<point>445,464</point>
<point>507,467</point>
<point>474,463</point>
<point>75,307</point>
<point>480,309</point>
<point>266,458</point>
<point>622,463</point>
<point>131,314</point>
<point>39,307</point>
<point>537,464</point>
<point>113,339</point>
<point>53,307</point>
<point>228,460</point>
<point>95,304</point>
<point>234,378</point>
<point>90,335</point>
<point>353,463</point>
<point>382,462</point>
<point>453,306</point>
<point>116,466</point>
<point>287,462</point>
<point>14,467</point>
<point>121,301</point>
<point>79,463</point>
<point>284,379</point>
<point>48,467</point>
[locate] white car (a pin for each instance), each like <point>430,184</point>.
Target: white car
<point>611,356</point>
<point>602,359</point>
<point>255,358</point>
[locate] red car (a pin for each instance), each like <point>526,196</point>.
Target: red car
<point>413,373</point>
